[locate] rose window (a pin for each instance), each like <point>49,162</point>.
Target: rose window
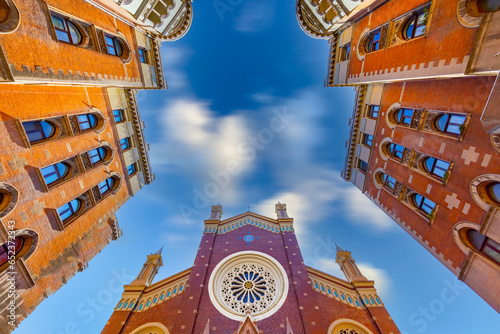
<point>248,281</point>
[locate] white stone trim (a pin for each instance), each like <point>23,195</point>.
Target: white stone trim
<point>348,321</point>
<point>151,324</point>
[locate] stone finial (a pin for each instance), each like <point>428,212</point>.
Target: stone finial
<point>280,210</point>
<point>216,212</point>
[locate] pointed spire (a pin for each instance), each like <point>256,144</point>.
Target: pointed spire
<point>149,269</point>
<point>348,266</point>
<point>207,327</point>
<point>159,251</point>
<point>216,212</point>
<point>289,329</point>
<point>339,249</point>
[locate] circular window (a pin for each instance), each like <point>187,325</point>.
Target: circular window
<point>250,282</point>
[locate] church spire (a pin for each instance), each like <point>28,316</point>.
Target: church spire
<point>216,212</point>
<point>349,266</point>
<point>149,269</point>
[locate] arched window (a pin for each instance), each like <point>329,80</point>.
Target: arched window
<point>66,31</point>
<point>87,121</point>
<point>140,307</point>
<point>154,300</point>
<point>114,46</point>
<point>7,249</point>
<point>484,245</point>
<point>423,204</point>
<point>387,181</point>
<point>488,6</point>
<point>131,305</point>
<point>415,26</point>
<point>55,172</point>
<point>147,304</point>
<point>450,123</point>
<point>396,151</point>
<point>38,131</point>
<point>373,41</point>
<point>106,185</point>
<point>436,167</point>
<point>162,295</point>
<point>126,304</point>
<point>96,155</point>
<point>404,116</point>
<point>70,209</point>
<point>181,288</point>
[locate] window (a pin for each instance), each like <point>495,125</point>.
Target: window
<point>373,41</point>
<point>143,55</point>
<point>96,155</point>
<point>396,151</point>
<point>161,297</point>
<point>415,26</point>
<point>54,172</point>
<point>404,116</point>
<point>154,301</point>
<point>38,130</point>
<point>87,121</point>
<point>140,307</point>
<point>345,52</point>
<point>69,209</point>
<point>106,185</point>
<point>488,6</point>
<point>388,181</point>
<point>484,245</point>
<point>147,304</point>
<point>9,247</point>
<point>118,115</point>
<point>436,167</point>
<point>363,166</point>
<point>126,304</point>
<point>66,31</point>
<point>373,111</point>
<point>132,169</point>
<point>423,204</point>
<point>125,143</point>
<point>113,45</point>
<point>450,123</point>
<point>367,140</point>
<point>131,305</point>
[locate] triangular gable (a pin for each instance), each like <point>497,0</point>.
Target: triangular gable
<point>248,218</point>
<point>248,327</point>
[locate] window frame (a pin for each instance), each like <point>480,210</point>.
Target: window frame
<point>120,114</point>
<point>367,140</point>
<point>115,40</point>
<point>363,166</point>
<point>404,117</point>
<point>128,140</point>
<point>420,206</point>
<point>88,117</point>
<point>40,130</point>
<point>66,23</point>
<point>101,159</point>
<point>372,113</point>
<point>370,41</point>
<point>109,186</point>
<point>55,171</point>
<point>448,123</point>
<point>74,212</point>
<point>414,19</point>
<point>143,55</point>
<point>432,170</point>
<point>133,169</point>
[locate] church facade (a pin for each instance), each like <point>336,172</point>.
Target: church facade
<point>249,277</point>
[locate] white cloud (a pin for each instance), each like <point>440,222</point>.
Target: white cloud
<point>255,16</point>
<point>361,210</point>
<point>380,276</point>
<point>330,267</point>
<point>174,59</point>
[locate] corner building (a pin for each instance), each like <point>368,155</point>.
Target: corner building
<point>249,277</point>
<point>73,147</point>
<point>425,131</point>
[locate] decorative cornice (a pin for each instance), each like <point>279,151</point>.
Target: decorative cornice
<point>137,122</point>
<point>354,132</point>
<point>332,60</point>
<point>248,218</point>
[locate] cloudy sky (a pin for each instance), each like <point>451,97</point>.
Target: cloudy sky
<point>246,121</point>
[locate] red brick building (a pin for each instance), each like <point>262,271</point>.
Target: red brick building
<point>73,148</point>
<point>424,143</point>
<point>249,277</point>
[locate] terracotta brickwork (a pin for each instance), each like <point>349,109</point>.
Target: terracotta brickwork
<point>305,309</point>
<point>472,156</point>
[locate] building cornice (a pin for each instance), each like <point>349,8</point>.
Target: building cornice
<point>354,123</point>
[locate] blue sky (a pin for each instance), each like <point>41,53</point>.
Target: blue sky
<point>229,78</point>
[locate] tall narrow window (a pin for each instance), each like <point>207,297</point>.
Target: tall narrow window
<point>373,111</point>
<point>87,121</point>
<point>484,245</point>
<point>367,140</point>
<point>345,51</point>
<point>450,123</point>
<point>118,115</point>
<point>38,130</point>
<point>423,204</point>
<point>113,45</point>
<point>69,209</point>
<point>363,166</point>
<point>415,26</point>
<point>54,172</point>
<point>143,55</point>
<point>404,116</point>
<point>125,143</point>
<point>106,185</point>
<point>66,31</point>
<point>436,167</point>
<point>373,42</point>
<point>396,151</point>
<point>96,155</point>
<point>132,169</point>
